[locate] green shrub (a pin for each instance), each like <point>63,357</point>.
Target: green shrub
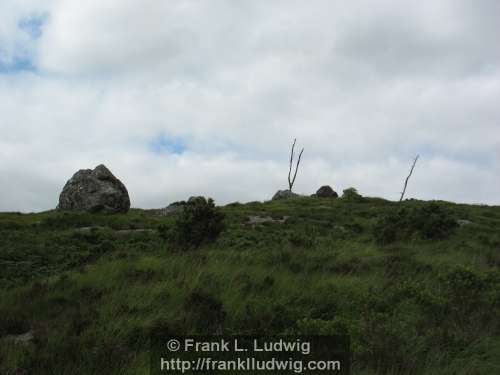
<point>390,228</point>
<point>434,222</point>
<point>463,285</point>
<point>431,222</point>
<point>351,194</point>
<point>200,222</point>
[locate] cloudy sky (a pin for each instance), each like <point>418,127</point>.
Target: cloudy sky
<point>183,98</point>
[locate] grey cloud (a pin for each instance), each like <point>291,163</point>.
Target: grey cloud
<point>363,86</point>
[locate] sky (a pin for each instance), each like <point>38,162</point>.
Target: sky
<point>182,98</point>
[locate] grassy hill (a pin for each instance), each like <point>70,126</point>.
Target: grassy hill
<point>417,293</point>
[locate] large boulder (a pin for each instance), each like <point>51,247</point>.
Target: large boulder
<point>326,192</point>
<point>284,194</point>
<point>95,190</point>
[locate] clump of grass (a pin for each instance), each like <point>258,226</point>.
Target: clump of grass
<point>203,313</point>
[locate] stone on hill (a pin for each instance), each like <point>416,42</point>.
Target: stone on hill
<point>252,220</point>
<point>178,207</point>
<point>284,194</point>
<point>463,222</point>
<point>174,208</point>
<point>96,190</point>
<point>326,192</point>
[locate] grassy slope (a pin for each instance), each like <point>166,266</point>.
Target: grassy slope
<point>91,298</point>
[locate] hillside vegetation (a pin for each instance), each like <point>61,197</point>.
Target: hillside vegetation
<point>416,292</point>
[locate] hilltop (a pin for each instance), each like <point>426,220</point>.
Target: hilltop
<point>416,284</point>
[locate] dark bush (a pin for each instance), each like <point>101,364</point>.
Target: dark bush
<point>428,222</point>
<point>200,222</point>
<point>351,194</point>
<point>434,222</point>
<point>391,227</point>
<point>463,285</point>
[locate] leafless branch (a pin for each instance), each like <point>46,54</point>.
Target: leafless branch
<point>292,181</point>
<point>408,178</point>
<point>291,162</point>
<point>296,168</point>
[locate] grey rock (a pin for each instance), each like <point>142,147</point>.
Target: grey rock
<point>252,220</point>
<point>326,192</point>
<point>90,229</point>
<point>95,190</point>
<point>284,194</point>
<point>24,338</point>
<point>177,207</point>
<point>171,209</point>
<point>340,228</point>
<point>463,222</point>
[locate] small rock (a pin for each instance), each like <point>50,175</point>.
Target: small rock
<point>20,339</point>
<point>252,220</point>
<point>463,222</point>
<point>284,194</point>
<point>90,229</point>
<point>340,228</point>
<point>326,192</point>
<point>177,207</point>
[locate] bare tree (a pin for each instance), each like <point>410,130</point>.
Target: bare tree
<point>292,181</point>
<point>408,178</point>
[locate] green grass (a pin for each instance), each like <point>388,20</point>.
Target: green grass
<point>92,297</point>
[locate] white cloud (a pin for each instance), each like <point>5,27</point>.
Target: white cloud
<point>363,87</point>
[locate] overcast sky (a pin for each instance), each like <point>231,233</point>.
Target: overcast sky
<point>181,98</point>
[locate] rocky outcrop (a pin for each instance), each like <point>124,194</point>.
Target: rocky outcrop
<point>177,207</point>
<point>284,194</point>
<point>96,190</point>
<point>326,192</point>
<point>172,208</point>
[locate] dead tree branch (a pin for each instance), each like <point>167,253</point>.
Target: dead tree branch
<point>292,181</point>
<point>291,163</point>
<point>408,178</point>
